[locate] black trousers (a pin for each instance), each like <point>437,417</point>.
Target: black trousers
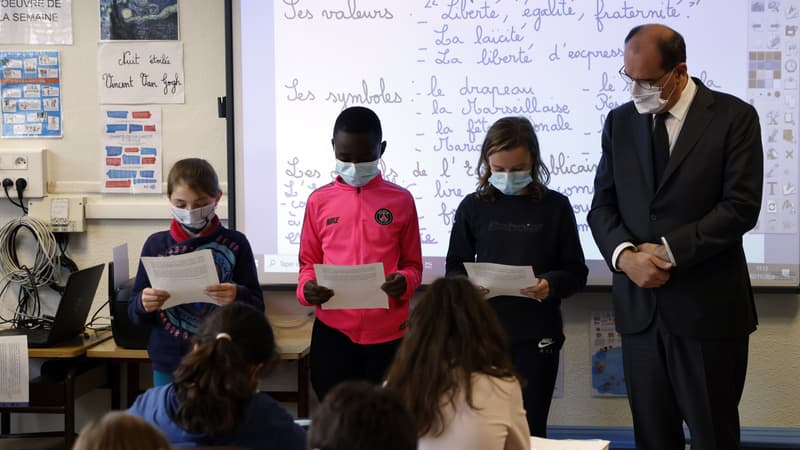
<point>672,379</point>
<point>536,362</point>
<point>335,358</point>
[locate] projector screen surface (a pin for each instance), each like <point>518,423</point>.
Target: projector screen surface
<point>439,72</point>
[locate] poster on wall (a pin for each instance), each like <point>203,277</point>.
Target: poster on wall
<point>137,72</point>
<point>30,92</point>
<point>43,22</point>
<point>151,20</point>
<point>605,346</point>
<point>131,144</point>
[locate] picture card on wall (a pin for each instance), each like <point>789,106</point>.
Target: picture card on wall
<point>139,20</point>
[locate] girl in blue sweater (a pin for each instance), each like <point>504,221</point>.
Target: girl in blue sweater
<point>213,400</point>
<point>193,191</point>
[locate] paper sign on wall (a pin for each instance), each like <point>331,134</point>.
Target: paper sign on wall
<point>30,91</point>
<point>136,73</point>
<point>131,145</point>
<point>36,22</point>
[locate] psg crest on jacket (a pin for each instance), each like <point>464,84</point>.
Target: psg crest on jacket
<point>383,216</point>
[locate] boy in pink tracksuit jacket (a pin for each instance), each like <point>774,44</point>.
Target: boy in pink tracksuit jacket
<point>358,219</point>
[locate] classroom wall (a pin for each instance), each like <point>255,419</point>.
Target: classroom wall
<point>74,162</point>
<point>772,393</point>
<point>189,129</point>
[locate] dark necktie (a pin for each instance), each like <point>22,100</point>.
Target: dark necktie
<point>660,147</point>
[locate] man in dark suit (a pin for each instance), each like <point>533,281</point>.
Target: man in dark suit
<point>678,184</point>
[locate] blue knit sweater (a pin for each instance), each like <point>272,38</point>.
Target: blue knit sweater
<point>174,328</point>
<point>265,425</point>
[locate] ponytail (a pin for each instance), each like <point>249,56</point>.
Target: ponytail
<point>214,383</point>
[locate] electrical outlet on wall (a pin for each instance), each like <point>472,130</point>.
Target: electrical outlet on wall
<point>25,170</point>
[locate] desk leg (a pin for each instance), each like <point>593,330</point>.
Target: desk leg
<point>116,391</point>
<point>302,386</point>
<point>133,382</point>
<point>69,407</point>
<point>5,423</point>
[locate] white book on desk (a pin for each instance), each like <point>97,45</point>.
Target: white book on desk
<point>538,443</point>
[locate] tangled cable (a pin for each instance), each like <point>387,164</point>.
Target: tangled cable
<point>29,279</point>
<point>45,260</point>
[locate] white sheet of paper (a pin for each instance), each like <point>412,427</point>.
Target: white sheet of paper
<point>183,276</point>
<point>121,269</point>
<point>354,287</point>
<point>14,369</point>
<point>501,279</point>
<point>538,443</point>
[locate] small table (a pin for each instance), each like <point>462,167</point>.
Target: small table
<point>68,377</point>
<point>294,344</point>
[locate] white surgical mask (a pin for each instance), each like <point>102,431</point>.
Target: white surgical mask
<point>357,174</point>
<point>511,183</point>
<point>194,219</point>
<point>647,100</point>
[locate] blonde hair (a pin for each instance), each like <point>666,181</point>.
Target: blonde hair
<point>120,431</point>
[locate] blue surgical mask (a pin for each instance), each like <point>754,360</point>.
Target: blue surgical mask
<point>511,183</point>
<point>357,174</point>
<point>196,219</point>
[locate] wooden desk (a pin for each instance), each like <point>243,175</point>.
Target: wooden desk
<point>293,344</point>
<point>65,378</point>
<point>72,348</point>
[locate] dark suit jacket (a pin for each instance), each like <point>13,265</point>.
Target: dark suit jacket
<point>710,195</point>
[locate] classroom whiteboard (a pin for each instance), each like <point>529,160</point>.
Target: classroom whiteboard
<point>440,72</point>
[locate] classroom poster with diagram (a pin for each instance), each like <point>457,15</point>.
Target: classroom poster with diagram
<point>131,145</point>
<point>605,346</point>
<point>30,92</point>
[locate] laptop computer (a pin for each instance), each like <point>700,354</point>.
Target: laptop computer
<point>73,309</point>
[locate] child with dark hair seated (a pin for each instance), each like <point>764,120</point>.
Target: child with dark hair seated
<point>213,399</point>
<point>357,415</point>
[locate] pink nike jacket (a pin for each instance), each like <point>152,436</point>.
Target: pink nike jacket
<point>347,225</point>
